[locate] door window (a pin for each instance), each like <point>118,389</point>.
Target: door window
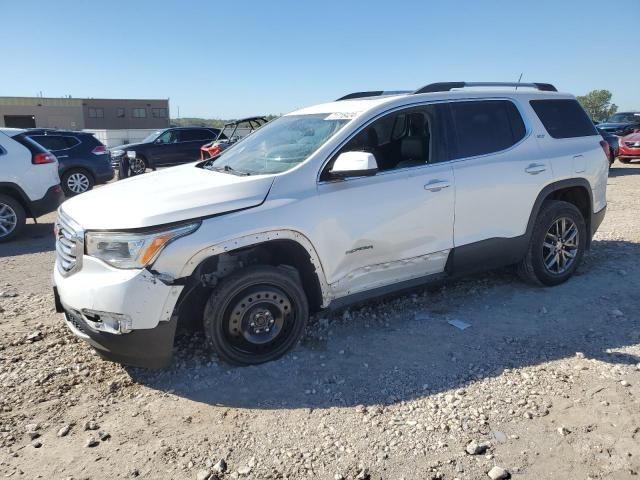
<point>195,134</point>
<point>51,142</point>
<point>170,136</point>
<point>403,139</point>
<point>482,127</point>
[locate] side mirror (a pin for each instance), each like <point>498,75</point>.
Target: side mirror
<point>354,164</point>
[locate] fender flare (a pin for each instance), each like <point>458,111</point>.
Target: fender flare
<point>21,195</point>
<point>256,239</point>
<point>554,187</point>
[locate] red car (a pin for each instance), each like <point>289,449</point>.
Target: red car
<point>230,134</point>
<point>629,147</point>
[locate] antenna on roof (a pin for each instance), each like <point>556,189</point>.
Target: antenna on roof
<point>519,78</point>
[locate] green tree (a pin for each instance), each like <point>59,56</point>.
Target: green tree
<point>598,104</point>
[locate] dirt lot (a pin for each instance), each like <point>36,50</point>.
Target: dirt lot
<point>544,384</point>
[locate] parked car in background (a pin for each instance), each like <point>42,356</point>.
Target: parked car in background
<point>612,141</point>
<point>170,146</point>
<point>29,182</point>
<point>331,205</point>
<point>83,160</point>
<point>621,124</point>
<point>629,148</point>
<point>231,133</point>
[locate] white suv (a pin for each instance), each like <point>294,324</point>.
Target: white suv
<point>330,205</point>
<point>29,182</point>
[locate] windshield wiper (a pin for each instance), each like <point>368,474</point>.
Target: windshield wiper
<point>230,169</point>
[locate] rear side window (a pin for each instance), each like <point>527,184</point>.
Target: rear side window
<point>55,142</point>
<point>564,118</point>
<point>483,127</point>
<point>196,134</point>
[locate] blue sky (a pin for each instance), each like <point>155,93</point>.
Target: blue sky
<point>254,57</point>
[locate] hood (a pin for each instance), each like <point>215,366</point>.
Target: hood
<point>633,137</point>
<point>128,146</point>
<point>169,195</point>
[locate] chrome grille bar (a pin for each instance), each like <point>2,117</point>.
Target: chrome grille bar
<point>69,244</point>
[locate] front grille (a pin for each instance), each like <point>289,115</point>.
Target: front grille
<point>69,244</point>
<point>76,320</point>
<point>632,144</point>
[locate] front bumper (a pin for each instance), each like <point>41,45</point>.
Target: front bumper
<point>152,348</point>
<point>144,302</point>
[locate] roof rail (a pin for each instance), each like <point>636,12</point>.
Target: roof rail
<point>373,93</point>
<point>446,86</point>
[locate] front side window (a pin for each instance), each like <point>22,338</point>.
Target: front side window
<point>564,118</point>
<point>170,136</point>
<point>280,145</point>
<point>485,126</point>
<point>407,138</point>
<point>139,113</point>
<point>96,112</point>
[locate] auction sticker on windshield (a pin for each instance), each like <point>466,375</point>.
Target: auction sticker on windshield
<point>342,116</point>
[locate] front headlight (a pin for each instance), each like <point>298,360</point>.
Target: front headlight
<point>117,153</point>
<point>133,250</point>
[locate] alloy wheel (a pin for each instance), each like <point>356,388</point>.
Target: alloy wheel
<point>137,166</point>
<point>8,220</point>
<point>78,182</point>
<point>560,246</point>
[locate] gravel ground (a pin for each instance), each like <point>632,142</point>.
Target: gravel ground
<point>544,384</point>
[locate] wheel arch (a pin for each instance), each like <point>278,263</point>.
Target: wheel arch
<point>284,248</point>
<point>576,191</point>
<point>15,192</point>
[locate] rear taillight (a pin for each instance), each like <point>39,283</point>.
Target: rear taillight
<point>99,150</point>
<point>42,158</point>
<point>606,148</point>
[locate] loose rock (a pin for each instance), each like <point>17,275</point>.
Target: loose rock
<point>498,473</point>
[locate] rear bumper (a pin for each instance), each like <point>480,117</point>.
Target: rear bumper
<point>104,175</point>
<point>152,348</point>
<point>47,204</point>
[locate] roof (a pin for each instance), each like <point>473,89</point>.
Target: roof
<point>12,132</point>
<point>357,106</point>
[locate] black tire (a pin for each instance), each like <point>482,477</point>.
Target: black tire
<point>256,315</point>
<point>76,181</point>
<point>624,160</point>
<point>533,268</point>
<point>12,218</point>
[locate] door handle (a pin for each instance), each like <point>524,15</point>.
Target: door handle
<point>535,168</point>
<point>436,185</point>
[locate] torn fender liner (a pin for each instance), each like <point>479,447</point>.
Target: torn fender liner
<point>148,348</point>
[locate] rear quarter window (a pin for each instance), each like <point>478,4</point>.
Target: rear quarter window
<point>564,118</point>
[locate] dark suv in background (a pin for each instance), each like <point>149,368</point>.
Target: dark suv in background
<point>621,123</point>
<point>171,146</point>
<point>83,159</point>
